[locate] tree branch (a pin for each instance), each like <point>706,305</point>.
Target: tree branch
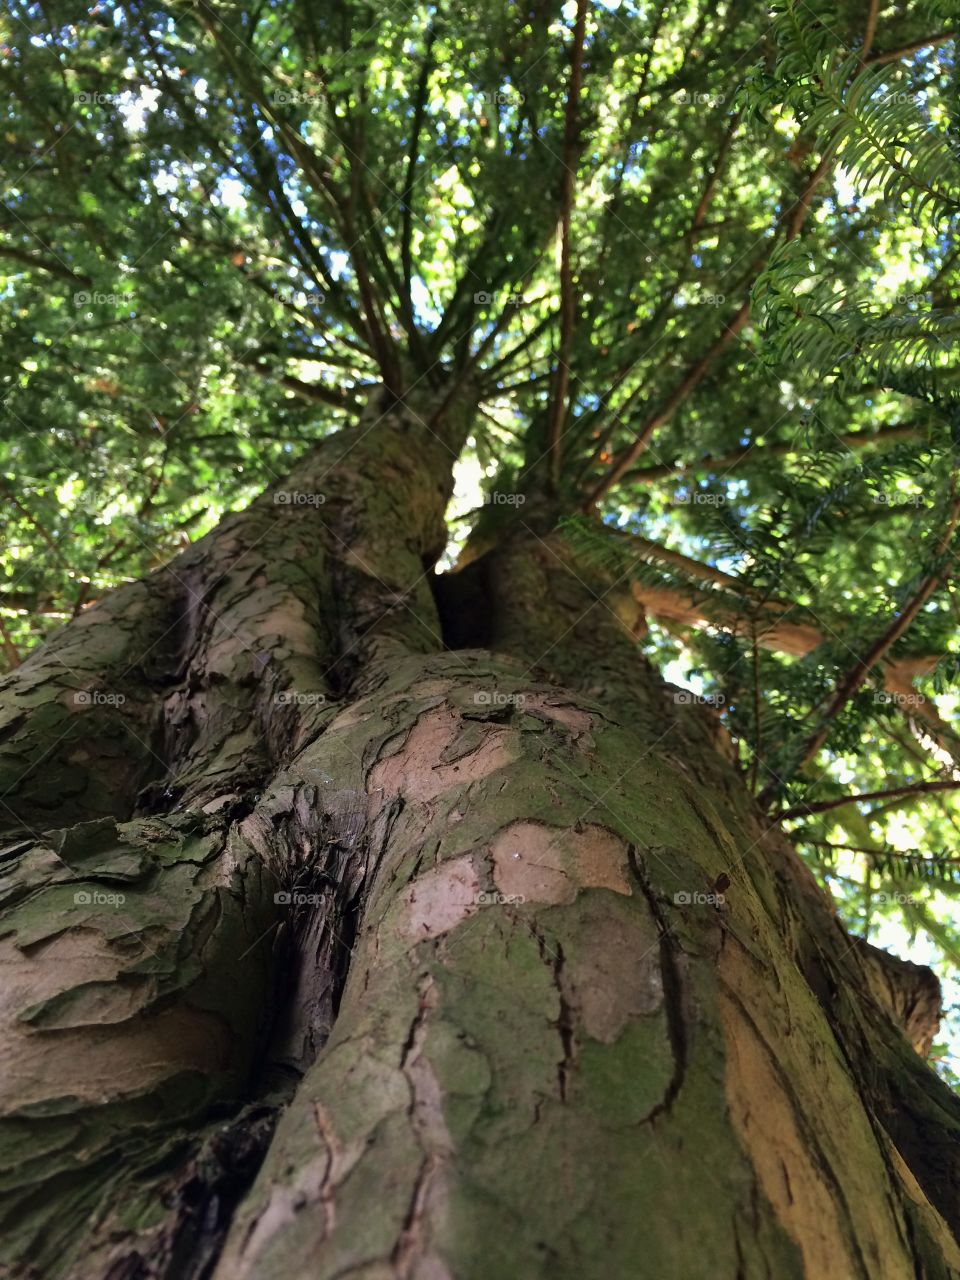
<point>37,524</point>
<point>419,111</point>
<point>313,391</point>
<point>691,380</point>
<point>790,224</point>
<point>568,311</point>
<point>858,673</point>
<point>870,30</point>
<point>760,452</point>
<point>892,55</point>
<point>43,264</point>
<point>823,806</point>
<point>873,853</point>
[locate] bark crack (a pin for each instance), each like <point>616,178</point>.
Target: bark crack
<point>328,1185</point>
<point>673,992</point>
<point>554,960</point>
<point>427,1122</point>
<point>411,1241</point>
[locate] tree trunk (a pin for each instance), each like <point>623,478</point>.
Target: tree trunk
<point>362,923</point>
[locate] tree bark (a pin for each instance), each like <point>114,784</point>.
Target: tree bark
<point>360,923</point>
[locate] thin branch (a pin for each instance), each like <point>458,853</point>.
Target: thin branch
<point>859,672</point>
<point>568,310</point>
<point>506,363</point>
<point>266,180</point>
<point>467,281</point>
<point>877,853</point>
<point>37,524</point>
<point>795,219</point>
<point>823,806</point>
<point>870,31</point>
<point>310,390</point>
<point>311,166</point>
<point>377,324</point>
<point>759,452</point>
<point>691,380</point>
<point>758,743</point>
<point>790,224</point>
<point>892,55</point>
<point>43,264</point>
<point>734,607</point>
<point>419,111</point>
<point>466,373</point>
<point>709,190</point>
<point>668,295</point>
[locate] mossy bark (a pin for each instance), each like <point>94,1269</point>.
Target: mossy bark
<point>426,934</point>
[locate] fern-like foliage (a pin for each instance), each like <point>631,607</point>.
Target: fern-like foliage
<point>881,135</point>
<point>869,117</point>
<point>846,342</point>
<point>934,867</point>
<point>892,141</point>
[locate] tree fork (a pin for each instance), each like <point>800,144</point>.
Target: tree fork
<point>544,973</point>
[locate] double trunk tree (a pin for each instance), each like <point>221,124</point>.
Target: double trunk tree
<point>363,921</point>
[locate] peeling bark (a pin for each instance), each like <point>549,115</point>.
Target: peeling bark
<point>426,935</point>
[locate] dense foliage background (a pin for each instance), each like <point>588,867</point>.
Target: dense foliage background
<point>696,260</point>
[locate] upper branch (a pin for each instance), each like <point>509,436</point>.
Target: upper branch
<point>571,147</point>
